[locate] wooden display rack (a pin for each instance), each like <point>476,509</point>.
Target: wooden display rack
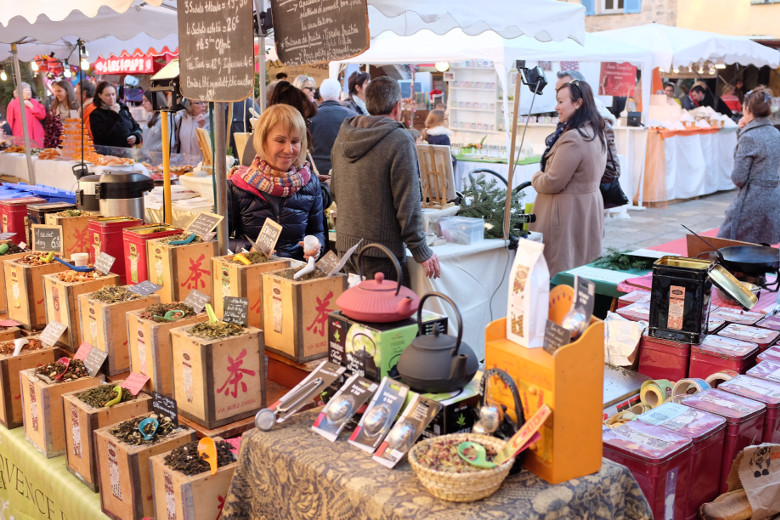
<point>10,389</point>
<point>24,292</point>
<point>570,382</point>
<point>180,269</point>
<point>437,179</point>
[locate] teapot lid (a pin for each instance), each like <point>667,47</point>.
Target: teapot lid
<point>379,284</point>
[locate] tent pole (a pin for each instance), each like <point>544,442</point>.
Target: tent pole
<point>511,160</point>
<point>220,167</point>
<point>166,161</point>
<point>23,114</point>
<point>261,51</point>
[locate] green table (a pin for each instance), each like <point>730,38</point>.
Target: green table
<point>606,280</point>
<point>495,160</point>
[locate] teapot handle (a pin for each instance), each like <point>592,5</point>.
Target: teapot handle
<point>420,331</point>
<point>390,255</point>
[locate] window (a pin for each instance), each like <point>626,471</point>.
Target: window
<point>614,6</point>
<point>611,6</point>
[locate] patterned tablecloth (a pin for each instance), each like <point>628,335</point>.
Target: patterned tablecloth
<point>293,473</point>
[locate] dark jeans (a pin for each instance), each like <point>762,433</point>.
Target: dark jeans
<point>372,265</point>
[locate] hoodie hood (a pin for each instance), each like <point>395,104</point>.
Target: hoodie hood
<point>359,134</point>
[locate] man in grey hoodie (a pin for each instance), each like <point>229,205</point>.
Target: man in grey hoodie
<point>376,185</point>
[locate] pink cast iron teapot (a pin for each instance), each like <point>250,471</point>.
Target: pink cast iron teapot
<point>378,300</point>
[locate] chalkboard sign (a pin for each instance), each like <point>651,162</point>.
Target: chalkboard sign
<point>104,262</point>
<point>164,405</point>
<point>197,300</point>
<point>216,49</point>
<point>204,223</point>
<point>236,310</point>
<point>269,234</point>
<point>47,238</point>
<point>328,262</point>
<point>555,336</point>
<point>144,288</point>
<point>313,32</point>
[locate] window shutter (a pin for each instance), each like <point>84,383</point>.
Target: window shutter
<point>589,6</point>
<point>632,6</point>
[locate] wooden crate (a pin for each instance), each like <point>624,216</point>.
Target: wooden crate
<point>150,349</point>
<point>125,474</point>
<point>295,315</point>
<point>24,292</point>
<point>218,381</point>
<point>62,304</point>
<point>235,279</point>
<point>104,326</point>
<point>3,299</point>
<point>10,333</point>
<point>44,424</point>
<point>196,497</point>
<point>75,232</point>
<point>81,420</point>
<point>10,389</point>
<point>180,269</point>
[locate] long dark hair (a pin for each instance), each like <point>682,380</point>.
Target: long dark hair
<point>355,79</point>
<point>103,85</point>
<point>287,94</point>
<point>587,114</point>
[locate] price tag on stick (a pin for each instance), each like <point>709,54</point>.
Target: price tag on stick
<point>104,262</point>
<point>204,223</point>
<point>83,351</point>
<point>344,259</point>
<point>268,237</point>
<point>144,288</point>
<point>51,334</point>
<point>328,262</point>
<point>94,360</point>
<point>135,382</point>
<point>236,310</point>
<point>197,300</point>
<point>164,405</point>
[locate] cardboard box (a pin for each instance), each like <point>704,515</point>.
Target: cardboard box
<point>10,389</point>
<point>180,269</point>
<point>460,412</point>
<point>24,292</point>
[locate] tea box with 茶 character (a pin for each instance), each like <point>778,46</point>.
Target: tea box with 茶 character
<point>218,372</point>
<point>105,236</point>
<point>33,354</point>
<point>123,464</point>
<point>75,229</point>
<point>12,253</point>
<point>149,339</point>
<point>180,268</point>
<point>36,214</point>
<point>104,323</point>
<point>24,288</point>
<point>184,488</point>
<point>62,291</point>
<point>44,422</point>
<point>135,239</point>
<point>233,276</point>
<point>86,411</point>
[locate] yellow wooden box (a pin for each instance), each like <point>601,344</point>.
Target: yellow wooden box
<point>150,349</point>
<point>75,232</point>
<point>196,497</point>
<point>24,292</point>
<point>246,281</point>
<point>180,269</point>
<point>44,424</point>
<point>3,299</point>
<point>125,475</point>
<point>295,315</point>
<point>104,326</point>
<point>10,389</point>
<point>62,304</point>
<point>81,420</point>
<point>220,381</point>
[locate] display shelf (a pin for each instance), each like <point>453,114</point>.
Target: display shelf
<point>474,88</point>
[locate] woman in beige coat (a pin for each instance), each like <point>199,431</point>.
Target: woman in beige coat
<point>569,208</point>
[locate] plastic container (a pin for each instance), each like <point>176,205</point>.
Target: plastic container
<point>766,370</point>
<point>639,311</point>
<point>717,353</point>
<point>708,433</point>
<point>105,236</point>
<point>663,358</point>
<point>134,247</point>
<point>462,230</point>
<point>660,461</point>
<point>763,391</point>
<point>633,297</point>
<point>771,354</point>
<point>761,337</point>
<point>744,423</point>
<point>732,315</point>
<point>13,213</point>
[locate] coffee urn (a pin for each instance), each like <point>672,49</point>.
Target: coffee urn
<point>121,193</point>
<point>86,199</point>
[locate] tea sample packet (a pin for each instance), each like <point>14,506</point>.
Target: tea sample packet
<point>379,415</point>
<point>416,416</point>
<point>529,292</point>
<point>304,392</point>
<point>343,406</point>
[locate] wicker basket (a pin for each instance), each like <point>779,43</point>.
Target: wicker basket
<point>461,487</point>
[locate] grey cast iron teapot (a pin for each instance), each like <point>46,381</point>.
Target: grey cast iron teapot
<point>437,362</point>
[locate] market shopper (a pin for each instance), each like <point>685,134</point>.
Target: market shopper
<point>376,186</point>
<point>194,116</point>
<point>111,122</point>
<point>569,208</point>
<point>278,185</point>
<point>436,128</point>
<point>357,83</point>
<point>306,84</point>
<point>64,99</point>
<point>694,98</point>
<point>35,113</point>
<point>754,216</point>
<point>325,125</point>
<point>152,130</point>
<point>86,93</point>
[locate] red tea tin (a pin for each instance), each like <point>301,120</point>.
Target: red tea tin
<point>732,315</point>
<point>714,325</point>
<point>708,433</point>
<point>766,370</point>
<point>763,391</point>
<point>105,236</point>
<point>663,358</point>
<point>716,353</point>
<point>633,297</point>
<point>13,213</point>
<point>134,240</point>
<point>761,337</point>
<point>660,461</point>
<point>639,311</point>
<point>771,354</point>
<point>744,422</point>
<point>770,322</point>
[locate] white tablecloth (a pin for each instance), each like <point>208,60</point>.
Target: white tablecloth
<point>699,164</point>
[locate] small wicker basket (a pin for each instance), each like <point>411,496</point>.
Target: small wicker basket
<point>461,487</point>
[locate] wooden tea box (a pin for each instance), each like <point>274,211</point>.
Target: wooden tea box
<point>195,497</point>
<point>150,349</point>
<point>3,299</point>
<point>9,333</point>
<point>180,269</point>
<point>75,231</point>
<point>295,315</point>
<point>36,214</point>
<point>125,474</point>
<point>44,423</point>
<point>81,420</point>
<point>24,288</point>
<point>232,278</point>
<point>62,300</point>
<point>104,326</point>
<point>218,381</point>
<point>10,366</point>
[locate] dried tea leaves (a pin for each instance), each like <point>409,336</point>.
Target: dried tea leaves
<point>186,459</point>
<point>180,236</point>
<point>159,309</point>
<point>34,258</point>
<point>114,294</point>
<point>98,396</point>
<point>7,347</point>
<point>76,370</point>
<point>127,431</point>
<point>442,455</point>
<point>288,273</point>
<point>216,330</point>
<point>75,213</point>
<point>12,249</point>
<point>254,257</point>
<point>70,276</point>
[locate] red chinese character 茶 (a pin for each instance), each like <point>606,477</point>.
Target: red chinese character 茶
<point>321,319</point>
<point>235,375</point>
<point>196,274</point>
<point>80,238</point>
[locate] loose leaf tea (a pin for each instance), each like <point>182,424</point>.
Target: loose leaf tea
<point>159,309</point>
<point>289,273</point>
<point>254,257</point>
<point>98,396</point>
<point>186,459</point>
<point>216,330</point>
<point>442,455</point>
<point>127,431</point>
<point>77,276</point>
<point>76,370</point>
<point>34,258</point>
<point>7,347</point>
<point>180,236</point>
<point>114,294</point>
<point>75,213</point>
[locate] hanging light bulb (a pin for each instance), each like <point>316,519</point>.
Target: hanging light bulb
<point>67,73</point>
<point>84,63</point>
<point>676,69</point>
<point>442,66</point>
<point>34,66</point>
<point>720,65</point>
<point>3,75</point>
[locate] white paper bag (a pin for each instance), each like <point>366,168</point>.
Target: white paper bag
<point>529,295</point>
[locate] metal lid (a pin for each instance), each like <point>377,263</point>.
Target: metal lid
<point>726,282</point>
<point>123,185</point>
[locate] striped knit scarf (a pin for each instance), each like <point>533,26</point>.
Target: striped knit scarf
<point>261,176</point>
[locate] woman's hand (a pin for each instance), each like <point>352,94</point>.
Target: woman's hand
<point>115,107</point>
<point>432,267</point>
<point>28,104</point>
<point>312,252</point>
<point>131,139</point>
<point>742,122</point>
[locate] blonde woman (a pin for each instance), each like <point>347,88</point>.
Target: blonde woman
<point>436,128</point>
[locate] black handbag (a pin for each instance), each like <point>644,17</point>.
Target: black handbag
<point>611,191</point>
